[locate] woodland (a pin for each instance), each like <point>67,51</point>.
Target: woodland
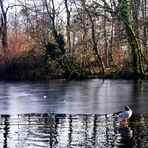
<point>73,39</point>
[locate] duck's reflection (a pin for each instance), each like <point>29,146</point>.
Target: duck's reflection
<point>126,133</point>
<point>124,130</point>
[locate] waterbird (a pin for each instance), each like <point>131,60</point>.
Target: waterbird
<point>125,114</point>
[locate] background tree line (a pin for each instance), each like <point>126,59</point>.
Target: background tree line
<point>66,38</point>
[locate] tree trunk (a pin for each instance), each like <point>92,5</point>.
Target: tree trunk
<point>68,25</point>
<point>4,33</point>
<point>145,28</point>
<point>105,38</point>
<point>133,40</point>
<point>59,39</point>
<point>3,27</point>
<point>111,43</point>
<point>99,59</point>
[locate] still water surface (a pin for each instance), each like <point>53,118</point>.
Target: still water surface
<point>62,114</point>
<point>73,97</point>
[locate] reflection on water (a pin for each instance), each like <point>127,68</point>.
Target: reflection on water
<point>61,130</point>
<point>126,134</point>
<point>82,114</point>
<point>73,97</point>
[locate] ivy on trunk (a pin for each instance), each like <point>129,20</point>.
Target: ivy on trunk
<point>125,14</point>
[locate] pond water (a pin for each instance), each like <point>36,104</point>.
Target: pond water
<point>61,114</point>
<point>73,97</point>
<point>72,131</point>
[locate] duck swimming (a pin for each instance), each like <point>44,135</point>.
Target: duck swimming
<point>125,114</point>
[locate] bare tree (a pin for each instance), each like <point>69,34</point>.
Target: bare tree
<point>51,11</point>
<point>3,27</point>
<point>144,24</point>
<point>94,41</point>
<point>105,38</point>
<point>123,11</point>
<point>68,12</point>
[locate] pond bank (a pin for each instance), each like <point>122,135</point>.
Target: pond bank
<point>14,75</point>
<point>31,67</point>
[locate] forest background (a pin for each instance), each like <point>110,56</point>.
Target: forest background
<point>45,39</point>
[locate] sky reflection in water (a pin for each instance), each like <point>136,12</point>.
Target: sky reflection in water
<point>73,97</point>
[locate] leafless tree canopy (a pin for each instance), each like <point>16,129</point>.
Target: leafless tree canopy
<point>106,35</point>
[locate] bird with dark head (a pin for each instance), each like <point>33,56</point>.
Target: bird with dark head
<point>125,114</point>
<point>127,108</point>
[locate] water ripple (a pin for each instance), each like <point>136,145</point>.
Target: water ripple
<point>72,131</point>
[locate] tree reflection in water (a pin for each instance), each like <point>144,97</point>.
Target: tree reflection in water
<point>6,130</point>
<point>61,130</point>
<point>125,132</point>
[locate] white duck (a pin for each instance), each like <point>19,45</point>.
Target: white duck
<point>124,115</point>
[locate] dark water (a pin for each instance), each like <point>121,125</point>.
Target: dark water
<point>62,114</point>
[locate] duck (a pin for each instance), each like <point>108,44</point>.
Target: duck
<point>125,114</point>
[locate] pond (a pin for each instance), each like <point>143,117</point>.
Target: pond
<point>61,131</point>
<point>59,113</point>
